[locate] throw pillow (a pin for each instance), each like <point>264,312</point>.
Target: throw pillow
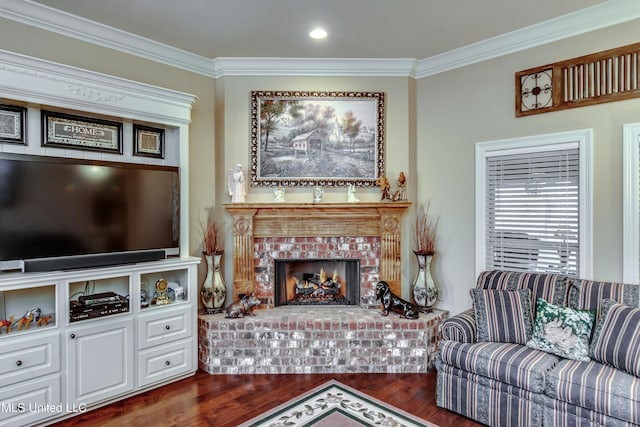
<point>503,315</point>
<point>562,331</point>
<point>616,339</point>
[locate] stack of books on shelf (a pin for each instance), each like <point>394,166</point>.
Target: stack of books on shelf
<point>97,305</point>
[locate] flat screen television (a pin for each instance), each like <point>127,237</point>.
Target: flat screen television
<point>61,213</point>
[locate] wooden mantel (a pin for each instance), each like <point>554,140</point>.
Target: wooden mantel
<point>378,219</point>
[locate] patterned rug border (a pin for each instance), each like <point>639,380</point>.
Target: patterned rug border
<point>330,398</point>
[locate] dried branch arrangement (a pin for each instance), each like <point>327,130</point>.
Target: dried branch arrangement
<point>213,242</point>
<point>426,232</point>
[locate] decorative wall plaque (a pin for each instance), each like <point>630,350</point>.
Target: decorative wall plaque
<point>607,76</point>
<point>67,131</point>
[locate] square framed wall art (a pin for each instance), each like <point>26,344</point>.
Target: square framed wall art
<point>148,141</point>
<point>13,124</point>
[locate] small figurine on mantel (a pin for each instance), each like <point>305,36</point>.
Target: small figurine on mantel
<point>351,194</point>
<point>278,194</point>
<point>236,182</point>
<point>318,193</point>
<point>383,183</point>
<point>401,193</point>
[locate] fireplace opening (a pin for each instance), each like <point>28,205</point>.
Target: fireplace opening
<point>317,282</point>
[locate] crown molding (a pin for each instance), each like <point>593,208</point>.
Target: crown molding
<point>602,15</point>
<point>582,21</point>
<point>313,67</point>
<point>57,21</point>
<point>42,82</point>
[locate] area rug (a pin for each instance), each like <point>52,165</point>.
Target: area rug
<point>334,404</point>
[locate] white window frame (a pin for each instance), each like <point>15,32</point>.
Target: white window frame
<point>631,203</point>
<point>537,143</point>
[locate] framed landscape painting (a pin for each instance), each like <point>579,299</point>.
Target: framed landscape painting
<point>311,138</point>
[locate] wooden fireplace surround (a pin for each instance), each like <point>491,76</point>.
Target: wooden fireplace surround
<point>377,219</point>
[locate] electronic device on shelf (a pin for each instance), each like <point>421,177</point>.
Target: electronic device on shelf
<point>97,305</point>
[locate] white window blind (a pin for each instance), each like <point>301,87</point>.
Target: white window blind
<point>532,211</point>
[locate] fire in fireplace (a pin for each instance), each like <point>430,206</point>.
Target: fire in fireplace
<point>317,282</point>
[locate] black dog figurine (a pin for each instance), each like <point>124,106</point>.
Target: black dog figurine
<point>392,302</point>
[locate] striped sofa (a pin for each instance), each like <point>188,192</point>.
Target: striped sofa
<point>509,384</point>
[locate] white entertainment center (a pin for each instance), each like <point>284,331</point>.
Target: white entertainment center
<point>60,363</point>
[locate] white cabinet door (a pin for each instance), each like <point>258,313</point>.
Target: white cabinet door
<point>100,361</point>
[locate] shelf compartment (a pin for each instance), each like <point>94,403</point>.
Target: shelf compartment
<point>98,298</point>
<point>176,280</point>
<point>27,309</point>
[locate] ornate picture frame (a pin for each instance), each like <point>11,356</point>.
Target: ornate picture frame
<point>13,124</point>
<point>148,141</point>
<point>317,138</point>
<point>81,133</point>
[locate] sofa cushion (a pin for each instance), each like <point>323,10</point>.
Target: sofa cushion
<point>562,330</point>
<point>596,386</point>
<point>551,287</point>
<point>503,316</point>
<point>588,294</point>
<point>461,327</point>
<point>616,339</point>
<point>512,364</point>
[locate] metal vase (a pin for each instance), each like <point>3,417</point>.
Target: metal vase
<point>214,291</point>
<point>424,290</point>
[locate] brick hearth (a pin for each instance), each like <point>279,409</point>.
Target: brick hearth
<point>291,340</point>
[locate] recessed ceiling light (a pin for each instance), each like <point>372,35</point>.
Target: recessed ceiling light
<point>318,33</point>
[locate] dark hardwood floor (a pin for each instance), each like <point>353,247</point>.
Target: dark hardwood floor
<point>228,400</point>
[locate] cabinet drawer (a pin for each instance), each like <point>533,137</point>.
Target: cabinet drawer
<point>164,326</point>
<point>25,359</point>
<point>164,362</point>
<point>31,401</point>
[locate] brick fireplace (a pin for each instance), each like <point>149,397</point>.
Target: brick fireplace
<point>371,232</point>
<point>311,282</point>
<point>365,249</point>
<point>317,339</point>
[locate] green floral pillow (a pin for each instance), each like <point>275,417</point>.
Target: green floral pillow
<point>562,331</point>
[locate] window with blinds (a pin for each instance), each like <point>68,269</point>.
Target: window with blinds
<point>532,211</point>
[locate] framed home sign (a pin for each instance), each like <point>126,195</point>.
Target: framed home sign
<point>84,133</point>
<point>313,138</point>
<point>148,142</point>
<point>12,124</point>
